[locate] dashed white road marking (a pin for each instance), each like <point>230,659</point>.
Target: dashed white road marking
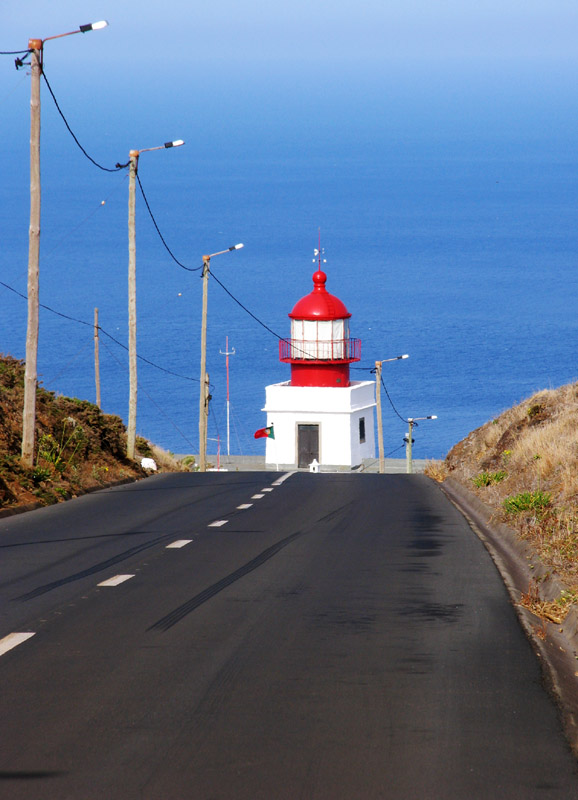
<point>116,580</point>
<point>280,480</point>
<point>244,506</point>
<point>218,523</point>
<point>13,640</point>
<point>179,543</point>
<point>268,489</point>
<point>257,496</point>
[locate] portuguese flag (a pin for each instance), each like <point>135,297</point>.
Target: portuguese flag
<point>265,433</point>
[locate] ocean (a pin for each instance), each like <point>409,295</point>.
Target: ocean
<point>447,204</point>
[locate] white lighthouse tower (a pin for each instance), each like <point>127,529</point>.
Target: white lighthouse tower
<point>320,415</point>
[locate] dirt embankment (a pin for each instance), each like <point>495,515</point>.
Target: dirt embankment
<point>524,465</point>
<point>78,448</point>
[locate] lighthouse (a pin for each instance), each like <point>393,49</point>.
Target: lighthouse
<point>320,415</point>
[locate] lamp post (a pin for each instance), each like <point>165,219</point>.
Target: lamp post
<point>132,400</point>
<point>36,47</point>
<point>409,441</point>
<point>378,403</point>
<point>204,380</point>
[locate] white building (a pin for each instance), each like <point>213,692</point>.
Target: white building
<point>320,414</point>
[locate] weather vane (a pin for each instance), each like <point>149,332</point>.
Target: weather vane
<point>319,252</point>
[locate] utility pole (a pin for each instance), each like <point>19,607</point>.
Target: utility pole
<point>132,367</point>
<point>204,396</point>
<point>409,440</point>
<point>379,419</point>
<point>96,358</point>
<point>227,354</point>
<point>378,366</point>
<point>408,444</point>
<point>30,374</point>
<point>36,48</point>
<point>132,399</point>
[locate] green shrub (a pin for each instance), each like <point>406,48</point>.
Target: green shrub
<point>528,501</point>
<point>488,478</point>
<point>143,447</point>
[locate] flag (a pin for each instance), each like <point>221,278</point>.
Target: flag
<point>265,433</point>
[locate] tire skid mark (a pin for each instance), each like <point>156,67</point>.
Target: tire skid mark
<point>167,622</point>
<point>96,568</point>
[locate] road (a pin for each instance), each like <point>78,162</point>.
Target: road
<point>332,637</point>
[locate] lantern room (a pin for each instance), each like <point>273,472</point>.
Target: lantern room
<point>320,349</point>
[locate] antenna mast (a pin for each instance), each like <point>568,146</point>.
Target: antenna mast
<point>227,353</point>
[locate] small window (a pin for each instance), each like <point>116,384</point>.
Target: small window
<point>362,429</point>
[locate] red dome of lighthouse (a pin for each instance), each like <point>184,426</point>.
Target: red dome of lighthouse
<point>320,349</point>
<point>319,304</point>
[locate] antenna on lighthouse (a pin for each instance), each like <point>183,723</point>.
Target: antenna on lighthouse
<point>227,353</point>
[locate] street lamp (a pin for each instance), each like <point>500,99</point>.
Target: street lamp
<point>409,441</point>
<point>36,48</point>
<point>132,400</point>
<point>204,388</point>
<point>378,403</point>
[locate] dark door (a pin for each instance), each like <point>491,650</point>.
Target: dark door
<point>307,444</point>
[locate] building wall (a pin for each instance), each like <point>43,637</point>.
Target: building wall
<point>337,411</point>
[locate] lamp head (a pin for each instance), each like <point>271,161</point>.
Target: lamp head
<point>93,26</point>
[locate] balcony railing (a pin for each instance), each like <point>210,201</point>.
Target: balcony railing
<point>344,350</point>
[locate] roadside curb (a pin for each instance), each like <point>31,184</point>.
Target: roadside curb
<point>556,645</point>
<point>10,512</point>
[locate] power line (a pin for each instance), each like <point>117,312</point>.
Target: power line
<point>144,391</point>
<point>169,251</point>
<point>110,336</point>
<point>240,304</point>
<point>14,52</point>
<point>391,403</point>
<point>96,164</point>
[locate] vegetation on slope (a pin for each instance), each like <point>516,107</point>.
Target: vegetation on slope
<point>524,464</point>
<point>78,448</point>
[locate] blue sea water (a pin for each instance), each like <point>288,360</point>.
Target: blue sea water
<point>447,204</point>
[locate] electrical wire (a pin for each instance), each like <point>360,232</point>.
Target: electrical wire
<point>144,391</point>
<point>294,348</point>
<point>14,88</point>
<point>69,364</point>
<point>196,269</point>
<point>240,304</point>
<point>96,164</point>
<point>392,405</point>
<point>14,52</point>
<point>162,238</point>
<point>110,336</point>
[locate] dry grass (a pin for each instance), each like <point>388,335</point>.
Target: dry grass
<point>436,470</point>
<point>529,455</point>
<point>165,460</point>
<point>553,611</point>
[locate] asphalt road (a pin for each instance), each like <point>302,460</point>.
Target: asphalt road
<point>343,637</point>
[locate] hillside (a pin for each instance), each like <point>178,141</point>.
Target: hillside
<point>524,464</point>
<point>78,447</point>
